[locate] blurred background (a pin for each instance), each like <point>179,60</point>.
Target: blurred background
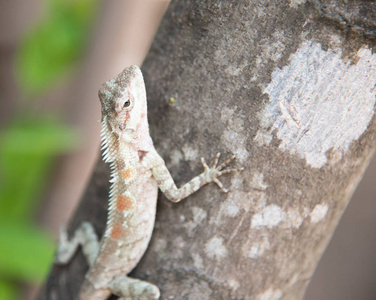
<point>54,54</point>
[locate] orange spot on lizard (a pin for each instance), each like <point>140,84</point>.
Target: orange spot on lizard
<point>127,174</point>
<point>124,203</point>
<point>117,232</point>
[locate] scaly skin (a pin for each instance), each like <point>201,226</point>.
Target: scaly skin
<point>137,173</point>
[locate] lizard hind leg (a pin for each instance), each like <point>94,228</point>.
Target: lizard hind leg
<point>133,289</point>
<point>85,236</point>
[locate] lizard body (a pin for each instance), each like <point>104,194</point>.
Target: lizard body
<point>137,173</point>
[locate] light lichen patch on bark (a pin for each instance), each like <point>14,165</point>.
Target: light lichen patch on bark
<point>190,153</point>
<point>258,181</point>
<point>215,248</point>
<point>198,261</point>
<point>229,208</point>
<point>269,217</point>
<point>235,142</point>
<point>258,249</point>
<point>233,136</point>
<point>270,294</point>
<point>294,218</point>
<point>320,102</point>
<point>319,212</point>
<point>263,137</point>
<point>198,215</point>
<point>272,215</point>
<point>296,3</point>
<point>176,157</point>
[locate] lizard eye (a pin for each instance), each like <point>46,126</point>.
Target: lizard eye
<point>127,103</point>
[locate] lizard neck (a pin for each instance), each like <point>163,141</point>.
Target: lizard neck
<point>115,149</point>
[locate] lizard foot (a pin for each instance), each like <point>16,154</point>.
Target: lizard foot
<point>84,236</point>
<point>134,289</point>
<point>212,173</point>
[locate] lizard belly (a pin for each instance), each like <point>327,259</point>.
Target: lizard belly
<point>130,226</point>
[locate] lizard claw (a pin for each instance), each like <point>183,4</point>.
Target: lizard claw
<point>206,167</point>
<point>220,185</point>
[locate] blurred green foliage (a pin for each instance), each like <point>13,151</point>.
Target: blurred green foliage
<point>28,147</point>
<point>7,291</point>
<point>52,47</point>
<point>31,142</point>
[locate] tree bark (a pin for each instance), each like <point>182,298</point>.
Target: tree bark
<point>289,89</point>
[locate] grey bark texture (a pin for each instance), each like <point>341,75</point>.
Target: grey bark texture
<point>289,88</point>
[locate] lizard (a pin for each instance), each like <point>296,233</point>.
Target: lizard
<point>137,171</point>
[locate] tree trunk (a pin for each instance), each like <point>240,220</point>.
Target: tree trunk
<point>289,88</point>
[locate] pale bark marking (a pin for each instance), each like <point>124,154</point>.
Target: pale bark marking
<point>214,248</point>
<point>270,294</point>
<point>319,212</point>
<point>229,208</point>
<point>269,217</point>
<point>258,249</point>
<point>320,102</point>
<point>176,157</point>
<point>296,3</point>
<point>199,215</point>
<point>190,153</point>
<point>258,181</point>
<point>294,218</point>
<point>263,137</point>
<point>198,261</point>
<point>273,215</point>
<point>233,136</point>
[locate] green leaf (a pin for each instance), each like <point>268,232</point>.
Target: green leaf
<point>37,136</point>
<point>25,252</point>
<point>28,147</point>
<point>7,291</point>
<point>51,48</point>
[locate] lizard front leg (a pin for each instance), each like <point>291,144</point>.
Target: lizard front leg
<point>167,185</point>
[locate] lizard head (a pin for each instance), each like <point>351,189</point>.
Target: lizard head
<point>124,109</point>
